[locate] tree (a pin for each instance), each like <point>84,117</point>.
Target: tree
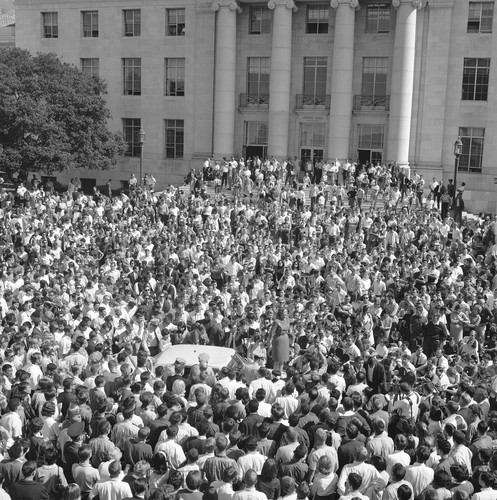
<point>52,116</point>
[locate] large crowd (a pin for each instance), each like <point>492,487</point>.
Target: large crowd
<point>358,300</point>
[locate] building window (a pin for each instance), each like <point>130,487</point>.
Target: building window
<point>175,19</point>
<point>131,131</point>
<point>475,79</point>
<point>312,140</point>
<point>472,149</point>
<point>90,24</point>
<point>315,69</point>
<point>132,22</point>
<point>312,135</point>
<point>175,138</point>
<point>259,20</point>
<point>91,67</point>
<point>132,76</point>
<point>371,137</point>
<point>317,18</point>
<point>256,133</point>
<point>374,77</point>
<point>174,73</point>
<point>480,17</point>
<point>378,18</point>
<point>258,69</point>
<point>50,24</point>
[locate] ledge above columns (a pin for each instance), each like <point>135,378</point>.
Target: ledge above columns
<point>232,4</point>
<point>354,4</point>
<point>415,3</point>
<point>289,4</point>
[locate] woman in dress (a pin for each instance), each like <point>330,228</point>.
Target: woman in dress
<point>280,340</point>
<point>457,321</point>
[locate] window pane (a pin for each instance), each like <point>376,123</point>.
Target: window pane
<point>472,151</point>
<point>175,22</point>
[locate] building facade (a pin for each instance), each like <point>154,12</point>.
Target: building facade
<point>370,80</point>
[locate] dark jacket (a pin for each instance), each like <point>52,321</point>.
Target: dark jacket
<point>28,490</point>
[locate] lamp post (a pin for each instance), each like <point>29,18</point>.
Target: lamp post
<point>457,155</point>
<point>141,140</point>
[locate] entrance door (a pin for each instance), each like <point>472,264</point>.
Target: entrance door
<point>253,151</point>
<point>364,156</point>
<point>376,157</point>
<point>313,154</point>
<point>369,155</point>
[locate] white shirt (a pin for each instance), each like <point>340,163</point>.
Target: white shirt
<point>252,460</point>
<point>113,489</point>
<point>368,473</point>
<point>419,476</point>
<point>173,451</point>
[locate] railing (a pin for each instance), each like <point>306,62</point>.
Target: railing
<point>258,101</point>
<point>365,102</point>
<point>313,101</point>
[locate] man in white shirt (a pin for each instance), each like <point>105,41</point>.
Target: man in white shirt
<point>249,492</point>
<point>253,460</point>
<point>399,456</point>
<point>396,481</point>
<point>487,492</point>
<point>263,383</point>
<point>369,473</point>
<point>114,488</point>
<point>173,451</point>
<point>418,475</point>
<point>12,422</point>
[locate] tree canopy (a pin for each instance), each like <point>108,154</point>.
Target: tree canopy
<point>52,116</point>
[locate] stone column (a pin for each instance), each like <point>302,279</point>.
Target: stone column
<point>225,77</point>
<point>399,125</point>
<point>279,79</point>
<point>341,79</point>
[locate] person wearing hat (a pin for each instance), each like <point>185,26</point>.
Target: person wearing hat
<point>71,448</point>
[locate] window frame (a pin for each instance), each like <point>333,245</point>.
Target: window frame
<point>321,8</point>
<point>475,23</point>
<point>375,83</point>
<point>179,27</point>
<point>374,22</point>
<point>315,82</point>
<point>255,128</point>
<point>473,88</point>
<point>472,152</point>
<point>264,20</point>
<point>174,78</point>
<point>53,31</point>
<point>311,129</point>
<point>129,88</point>
<point>93,33</point>
<point>132,140</point>
<point>376,146</point>
<point>176,127</point>
<point>90,68</point>
<point>259,83</point>
<point>134,23</point>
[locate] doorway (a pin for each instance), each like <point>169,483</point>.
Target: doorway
<point>313,154</point>
<point>253,151</point>
<point>369,155</point>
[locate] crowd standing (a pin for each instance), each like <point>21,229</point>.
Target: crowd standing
<point>363,319</point>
